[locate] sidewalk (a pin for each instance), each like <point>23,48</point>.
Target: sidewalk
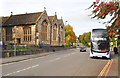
<point>23,57</point>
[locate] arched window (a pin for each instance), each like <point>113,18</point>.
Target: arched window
<point>44,30</point>
<point>55,32</point>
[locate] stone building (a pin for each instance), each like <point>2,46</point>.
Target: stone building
<point>61,31</point>
<point>33,28</point>
<point>54,30</point>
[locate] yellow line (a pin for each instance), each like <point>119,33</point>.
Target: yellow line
<point>109,67</point>
<point>105,70</point>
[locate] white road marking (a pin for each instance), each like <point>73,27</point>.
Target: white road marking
<point>58,58</point>
<point>21,70</point>
<point>22,61</point>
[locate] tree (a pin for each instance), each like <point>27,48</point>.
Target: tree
<point>101,9</point>
<point>84,38</point>
<point>70,36</point>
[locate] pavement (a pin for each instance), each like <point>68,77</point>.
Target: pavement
<point>21,58</point>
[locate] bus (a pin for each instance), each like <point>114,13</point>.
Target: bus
<point>100,46</point>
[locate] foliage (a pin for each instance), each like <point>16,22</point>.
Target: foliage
<point>70,36</point>
<point>84,38</point>
<point>101,9</point>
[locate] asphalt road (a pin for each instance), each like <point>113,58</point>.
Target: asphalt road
<point>70,62</point>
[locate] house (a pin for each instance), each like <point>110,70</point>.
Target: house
<point>32,29</point>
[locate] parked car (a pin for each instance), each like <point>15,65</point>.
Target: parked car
<point>82,49</point>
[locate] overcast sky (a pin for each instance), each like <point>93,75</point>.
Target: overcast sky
<point>72,11</point>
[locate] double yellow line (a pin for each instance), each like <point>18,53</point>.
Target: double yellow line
<point>105,70</point>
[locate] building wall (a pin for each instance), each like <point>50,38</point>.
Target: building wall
<point>43,18</point>
<point>54,42</point>
<point>62,34</point>
<point>18,34</point>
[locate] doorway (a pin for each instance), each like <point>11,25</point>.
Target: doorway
<point>18,40</point>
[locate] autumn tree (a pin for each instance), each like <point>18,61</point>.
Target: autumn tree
<point>102,9</point>
<point>70,36</point>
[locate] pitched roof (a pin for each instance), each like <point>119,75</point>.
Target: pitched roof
<point>23,19</point>
<point>51,17</point>
<point>4,19</point>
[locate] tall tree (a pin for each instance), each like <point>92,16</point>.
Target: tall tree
<point>101,9</point>
<point>70,36</point>
<point>84,38</point>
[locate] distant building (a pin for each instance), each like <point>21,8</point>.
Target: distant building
<point>33,28</point>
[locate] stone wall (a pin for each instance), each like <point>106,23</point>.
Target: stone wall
<point>33,51</point>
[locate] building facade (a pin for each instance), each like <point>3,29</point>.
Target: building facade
<point>33,29</point>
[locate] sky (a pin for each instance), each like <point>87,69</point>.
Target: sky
<point>72,11</point>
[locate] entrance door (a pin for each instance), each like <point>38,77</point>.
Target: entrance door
<point>18,40</point>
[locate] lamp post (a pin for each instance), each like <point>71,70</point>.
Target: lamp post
<point>66,23</point>
<point>15,41</point>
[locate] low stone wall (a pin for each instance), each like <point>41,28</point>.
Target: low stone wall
<point>20,52</point>
<point>54,48</point>
<point>33,51</point>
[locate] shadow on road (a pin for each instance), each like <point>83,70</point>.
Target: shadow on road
<point>99,58</point>
<point>114,56</point>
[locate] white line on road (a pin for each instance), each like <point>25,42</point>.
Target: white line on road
<point>22,61</point>
<point>58,58</point>
<point>22,70</point>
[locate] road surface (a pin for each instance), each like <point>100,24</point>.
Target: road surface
<point>69,62</point>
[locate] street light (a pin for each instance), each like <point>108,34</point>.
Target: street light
<point>66,23</point>
<point>15,41</point>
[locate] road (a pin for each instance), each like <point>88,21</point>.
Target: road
<point>69,62</point>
